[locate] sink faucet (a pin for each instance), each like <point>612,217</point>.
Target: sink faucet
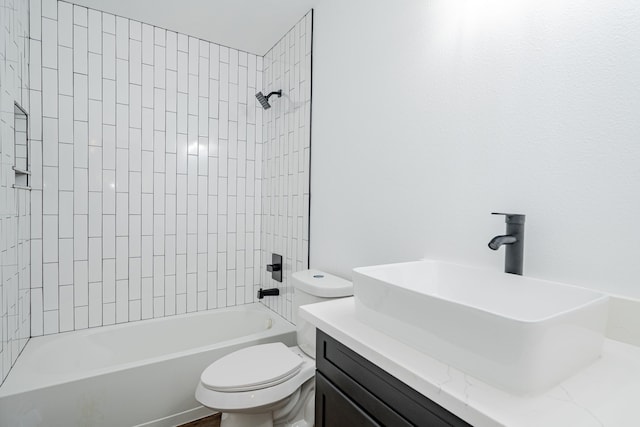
<point>514,241</point>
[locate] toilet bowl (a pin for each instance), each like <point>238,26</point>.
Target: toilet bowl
<point>272,385</point>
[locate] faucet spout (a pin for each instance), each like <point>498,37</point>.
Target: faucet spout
<point>498,241</point>
<point>513,240</point>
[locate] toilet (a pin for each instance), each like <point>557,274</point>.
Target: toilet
<point>272,385</point>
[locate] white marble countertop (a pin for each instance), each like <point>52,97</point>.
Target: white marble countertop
<point>607,393</point>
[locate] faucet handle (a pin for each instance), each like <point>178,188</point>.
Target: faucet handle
<point>511,218</point>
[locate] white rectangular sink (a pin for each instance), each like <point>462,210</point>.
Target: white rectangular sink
<point>520,334</point>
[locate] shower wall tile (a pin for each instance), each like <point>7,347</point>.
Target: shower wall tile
<point>284,153</point>
<point>16,248</point>
<point>141,171</point>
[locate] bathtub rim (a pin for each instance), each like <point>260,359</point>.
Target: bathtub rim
<point>279,326</point>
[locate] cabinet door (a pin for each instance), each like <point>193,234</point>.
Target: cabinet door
<point>334,409</point>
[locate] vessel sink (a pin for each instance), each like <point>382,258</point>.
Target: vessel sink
<point>520,334</point>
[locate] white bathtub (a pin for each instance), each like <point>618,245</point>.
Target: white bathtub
<point>140,373</point>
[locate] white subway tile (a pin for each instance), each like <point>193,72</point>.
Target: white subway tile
<point>122,38</point>
<point>50,286</point>
<point>65,122</point>
<point>108,23</point>
<point>95,214</point>
<point>135,282</point>
<point>65,24</point>
<point>122,257</point>
<point>147,129</point>
<point>51,322</point>
<point>65,217</point>
<point>80,15</point>
<point>108,281</point>
<point>65,171</point>
<point>122,81</point>
<point>122,301</point>
<point>147,44</point>
<point>49,93</point>
<point>95,259</point>
<point>159,66</point>
<point>135,236</point>
<point>122,125</point>
<point>80,49</point>
<point>37,312</point>
<point>35,21</point>
<point>108,237</point>
<point>80,238</point>
<point>108,56</point>
<point>49,43</point>
<point>147,86</point>
<point>109,191</point>
<point>81,317</point>
<point>95,168</point>
<point>95,31</point>
<point>109,102</point>
<point>65,71</point>
<point>147,298</point>
<point>183,42</point>
<point>147,256</point>
<point>95,123</point>
<point>80,144</point>
<point>109,147</point>
<point>50,239</point>
<point>135,106</point>
<point>95,304</point>
<point>135,62</point>
<point>135,30</point>
<point>66,310</point>
<point>122,210</point>
<point>66,262</point>
<point>172,46</point>
<point>159,109</point>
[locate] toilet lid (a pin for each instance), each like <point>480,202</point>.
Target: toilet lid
<point>252,368</point>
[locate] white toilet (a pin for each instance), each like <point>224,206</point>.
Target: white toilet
<point>271,384</point>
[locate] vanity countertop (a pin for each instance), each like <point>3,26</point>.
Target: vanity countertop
<point>607,393</point>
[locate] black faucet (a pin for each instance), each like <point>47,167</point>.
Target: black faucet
<point>514,240</point>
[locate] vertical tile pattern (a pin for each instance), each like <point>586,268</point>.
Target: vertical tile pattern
<point>16,247</point>
<point>152,164</point>
<point>286,131</point>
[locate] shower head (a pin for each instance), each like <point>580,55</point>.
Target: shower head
<point>264,100</point>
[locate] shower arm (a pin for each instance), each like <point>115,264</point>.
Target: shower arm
<point>275,92</point>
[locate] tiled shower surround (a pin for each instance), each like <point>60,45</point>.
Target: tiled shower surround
<point>14,203</point>
<point>152,163</point>
<point>286,154</point>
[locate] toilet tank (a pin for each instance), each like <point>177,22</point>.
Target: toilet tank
<point>311,286</point>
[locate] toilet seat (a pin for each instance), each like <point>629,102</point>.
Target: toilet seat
<point>259,396</point>
<point>252,368</point>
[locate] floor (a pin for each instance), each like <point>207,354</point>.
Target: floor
<point>210,421</point>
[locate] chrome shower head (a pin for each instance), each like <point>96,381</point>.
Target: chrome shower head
<point>264,100</point>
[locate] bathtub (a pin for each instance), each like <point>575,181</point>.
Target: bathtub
<point>134,374</point>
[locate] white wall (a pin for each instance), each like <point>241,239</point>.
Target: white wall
<point>151,157</point>
<point>429,115</point>
<point>286,154</point>
<point>15,220</point>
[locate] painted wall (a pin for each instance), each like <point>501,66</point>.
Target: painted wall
<point>286,153</point>
<point>151,163</point>
<point>15,220</point>
<point>430,115</point>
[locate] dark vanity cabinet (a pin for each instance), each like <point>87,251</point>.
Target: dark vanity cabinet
<point>353,392</point>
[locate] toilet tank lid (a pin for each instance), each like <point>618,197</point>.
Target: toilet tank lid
<point>321,284</point>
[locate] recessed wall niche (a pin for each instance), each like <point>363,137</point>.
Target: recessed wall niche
<point>21,148</point>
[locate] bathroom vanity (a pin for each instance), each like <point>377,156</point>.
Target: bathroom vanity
<point>366,377</point>
<point>351,391</point>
